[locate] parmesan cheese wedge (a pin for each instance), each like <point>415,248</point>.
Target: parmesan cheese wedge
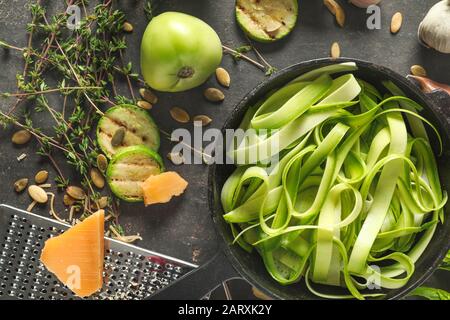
<point>76,257</point>
<point>163,187</point>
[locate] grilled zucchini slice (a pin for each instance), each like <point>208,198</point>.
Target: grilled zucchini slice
<point>266,20</point>
<point>128,170</point>
<point>140,129</point>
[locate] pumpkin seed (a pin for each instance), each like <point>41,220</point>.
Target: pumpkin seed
<point>20,185</point>
<point>102,162</point>
<point>97,178</point>
<point>68,200</point>
<point>128,27</point>
<point>118,137</point>
<point>204,120</point>
<point>41,177</point>
<point>336,9</point>
<point>418,70</point>
<point>260,295</point>
<point>223,77</point>
<point>176,158</point>
<point>148,96</point>
<point>273,26</point>
<point>340,17</point>
<point>180,115</point>
<point>21,137</point>
<point>396,22</point>
<point>331,6</point>
<point>38,194</point>
<point>144,105</point>
<point>76,192</point>
<point>103,202</point>
<point>335,50</point>
<point>214,95</point>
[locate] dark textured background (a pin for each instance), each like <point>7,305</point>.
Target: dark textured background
<point>184,228</point>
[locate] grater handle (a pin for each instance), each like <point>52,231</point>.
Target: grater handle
<point>197,283</point>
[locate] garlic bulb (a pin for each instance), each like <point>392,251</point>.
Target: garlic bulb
<point>434,30</point>
<point>364,3</point>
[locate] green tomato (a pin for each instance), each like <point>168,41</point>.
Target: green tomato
<point>179,52</point>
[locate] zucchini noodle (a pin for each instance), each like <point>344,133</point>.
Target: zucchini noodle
<point>354,198</point>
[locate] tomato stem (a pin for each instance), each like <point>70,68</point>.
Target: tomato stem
<point>185,73</point>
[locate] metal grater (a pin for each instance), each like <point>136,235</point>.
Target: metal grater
<point>131,273</point>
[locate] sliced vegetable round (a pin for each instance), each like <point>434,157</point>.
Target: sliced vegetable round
<point>129,169</point>
<point>140,129</point>
<point>266,20</point>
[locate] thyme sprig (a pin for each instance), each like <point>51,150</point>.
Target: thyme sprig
<point>88,64</point>
<point>239,53</point>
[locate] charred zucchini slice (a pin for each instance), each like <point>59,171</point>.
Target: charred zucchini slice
<point>140,129</point>
<point>128,170</point>
<point>266,20</point>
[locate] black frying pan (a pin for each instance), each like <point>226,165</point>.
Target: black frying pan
<point>233,262</point>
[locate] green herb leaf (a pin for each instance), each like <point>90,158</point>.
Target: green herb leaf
<point>240,50</point>
<point>271,70</point>
<point>446,263</point>
<point>87,66</point>
<point>431,293</point>
<point>150,7</point>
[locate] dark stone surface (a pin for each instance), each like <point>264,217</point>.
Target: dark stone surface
<point>184,228</point>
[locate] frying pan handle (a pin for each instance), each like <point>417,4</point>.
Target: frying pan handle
<point>429,86</point>
<point>442,101</point>
<point>197,283</point>
<point>438,92</point>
